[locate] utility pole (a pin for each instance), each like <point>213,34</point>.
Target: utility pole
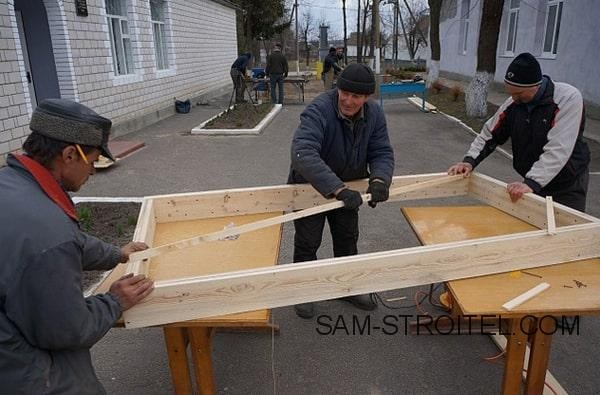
<point>358,36</point>
<point>395,35</point>
<point>376,36</point>
<point>297,48</point>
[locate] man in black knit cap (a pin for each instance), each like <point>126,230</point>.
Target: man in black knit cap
<point>342,136</point>
<point>544,120</point>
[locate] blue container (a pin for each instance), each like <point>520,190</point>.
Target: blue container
<point>259,72</point>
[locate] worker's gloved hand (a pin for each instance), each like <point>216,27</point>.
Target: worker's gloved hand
<point>352,199</point>
<point>379,191</point>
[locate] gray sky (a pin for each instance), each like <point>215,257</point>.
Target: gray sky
<point>331,12</point>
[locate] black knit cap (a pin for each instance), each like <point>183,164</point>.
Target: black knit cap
<point>357,78</point>
<point>524,71</point>
<point>71,122</point>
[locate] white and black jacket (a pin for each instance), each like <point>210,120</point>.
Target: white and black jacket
<point>546,136</point>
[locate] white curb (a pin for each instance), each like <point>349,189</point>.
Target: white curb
<point>234,132</point>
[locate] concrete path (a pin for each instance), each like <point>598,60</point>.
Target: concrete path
<point>300,360</point>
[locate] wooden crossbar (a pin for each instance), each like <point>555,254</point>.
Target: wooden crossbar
<point>193,241</point>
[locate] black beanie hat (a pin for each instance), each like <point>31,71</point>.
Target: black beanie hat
<point>357,78</point>
<point>524,71</point>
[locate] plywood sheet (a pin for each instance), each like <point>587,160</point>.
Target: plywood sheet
<point>486,294</point>
<point>250,250</point>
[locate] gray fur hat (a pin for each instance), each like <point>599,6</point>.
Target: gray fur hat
<point>71,122</point>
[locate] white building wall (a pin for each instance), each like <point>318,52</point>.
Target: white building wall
<point>577,53</point>
<point>202,45</point>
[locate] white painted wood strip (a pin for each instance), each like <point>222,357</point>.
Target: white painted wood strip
<point>557,389</point>
<point>525,296</point>
<point>550,215</point>
<point>234,292</point>
<point>193,241</point>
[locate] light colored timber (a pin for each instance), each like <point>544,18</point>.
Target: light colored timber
<point>557,389</point>
<point>530,208</point>
<point>550,215</point>
<point>524,297</point>
<point>182,299</point>
<point>293,197</point>
<point>237,230</point>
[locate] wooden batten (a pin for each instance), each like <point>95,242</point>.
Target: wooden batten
<point>530,208</point>
<point>183,299</point>
<point>223,203</point>
<point>144,231</point>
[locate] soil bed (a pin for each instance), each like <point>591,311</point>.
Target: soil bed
<point>111,222</point>
<point>242,116</point>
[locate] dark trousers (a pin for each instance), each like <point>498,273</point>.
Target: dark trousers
<point>276,81</point>
<point>573,196</point>
<point>238,83</point>
<point>309,232</point>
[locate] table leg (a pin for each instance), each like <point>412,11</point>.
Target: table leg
<point>200,342</point>
<point>176,339</point>
<point>540,354</point>
<point>515,355</point>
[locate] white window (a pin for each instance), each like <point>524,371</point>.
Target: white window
<point>513,21</point>
<point>553,16</point>
<point>157,16</point>
<point>120,40</point>
<point>465,10</point>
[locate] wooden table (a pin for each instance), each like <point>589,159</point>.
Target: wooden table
<point>264,84</point>
<point>485,295</point>
<point>254,249</point>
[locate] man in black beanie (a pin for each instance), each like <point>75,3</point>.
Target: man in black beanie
<point>544,120</point>
<point>342,136</point>
<point>47,326</point>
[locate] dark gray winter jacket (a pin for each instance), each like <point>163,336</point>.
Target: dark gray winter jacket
<point>46,325</point>
<point>326,151</point>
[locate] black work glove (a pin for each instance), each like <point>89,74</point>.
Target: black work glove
<point>352,199</point>
<point>379,191</point>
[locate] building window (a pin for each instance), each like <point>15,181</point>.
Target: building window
<point>157,16</point>
<point>120,40</point>
<point>465,10</point>
<point>513,21</point>
<point>553,16</point>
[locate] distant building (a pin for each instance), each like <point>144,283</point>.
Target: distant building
<point>563,35</point>
<point>126,59</point>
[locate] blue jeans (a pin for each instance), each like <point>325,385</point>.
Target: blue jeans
<point>276,81</point>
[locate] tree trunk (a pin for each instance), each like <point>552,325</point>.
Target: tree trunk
<point>476,94</point>
<point>345,30</point>
<point>358,37</point>
<point>433,73</point>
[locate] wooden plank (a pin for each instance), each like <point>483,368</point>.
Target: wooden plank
<point>225,293</point>
<point>550,215</point>
<point>200,344</point>
<point>525,296</point>
<point>144,231</point>
<point>557,389</point>
<point>530,208</point>
<point>239,201</point>
<point>515,356</point>
<point>485,295</point>
<point>249,227</point>
<point>540,355</point>
<point>176,342</point>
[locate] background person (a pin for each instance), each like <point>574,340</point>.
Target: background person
<point>277,71</point>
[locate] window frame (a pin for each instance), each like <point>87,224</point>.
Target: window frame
<point>464,27</point>
<point>511,42</point>
<point>120,43</point>
<point>559,4</point>
<point>161,53</point>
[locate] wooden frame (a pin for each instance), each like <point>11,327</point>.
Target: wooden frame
<point>576,236</point>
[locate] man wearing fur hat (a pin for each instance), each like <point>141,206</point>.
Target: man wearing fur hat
<point>47,326</point>
<point>544,120</point>
<point>342,136</point>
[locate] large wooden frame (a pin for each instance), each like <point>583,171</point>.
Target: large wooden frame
<point>575,236</point>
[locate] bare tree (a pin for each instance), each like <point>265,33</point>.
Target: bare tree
<point>345,29</point>
<point>477,91</point>
<point>412,16</point>
<point>435,7</point>
<point>307,28</point>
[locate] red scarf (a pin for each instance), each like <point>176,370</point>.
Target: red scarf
<point>49,184</point>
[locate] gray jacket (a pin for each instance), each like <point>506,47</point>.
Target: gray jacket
<point>327,150</point>
<point>46,325</point>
